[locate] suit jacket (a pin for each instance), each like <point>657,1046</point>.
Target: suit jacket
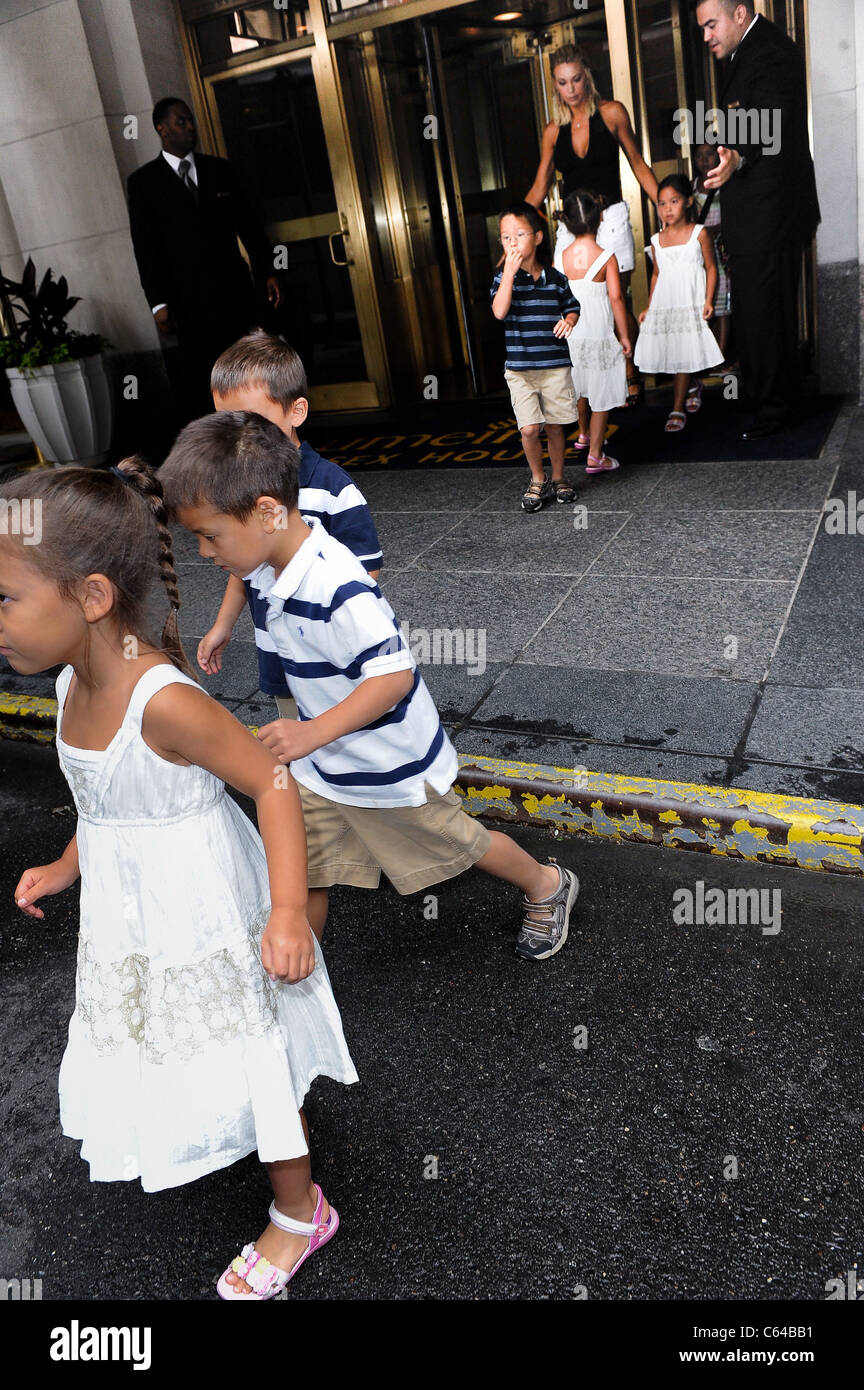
<point>187,251</point>
<point>772,201</point>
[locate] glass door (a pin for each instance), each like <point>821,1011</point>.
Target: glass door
<point>267,120</point>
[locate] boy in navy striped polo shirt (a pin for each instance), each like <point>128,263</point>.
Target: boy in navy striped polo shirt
<point>538,309</point>
<point>262,372</point>
<point>373,764</point>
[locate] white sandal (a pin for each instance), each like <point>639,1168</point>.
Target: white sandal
<point>266,1279</point>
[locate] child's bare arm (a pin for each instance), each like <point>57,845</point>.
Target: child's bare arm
<point>288,739</point>
<point>706,241</point>
<point>47,879</point>
<point>185,725</point>
<point>654,275</point>
<point>504,294</point>
<point>616,301</point>
<point>213,643</point>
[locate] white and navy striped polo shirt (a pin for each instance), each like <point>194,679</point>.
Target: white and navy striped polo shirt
<point>535,308</point>
<point>328,494</point>
<point>332,628</point>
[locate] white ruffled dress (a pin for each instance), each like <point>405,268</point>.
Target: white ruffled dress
<point>674,336</point>
<point>182,1056</point>
<point>598,363</point>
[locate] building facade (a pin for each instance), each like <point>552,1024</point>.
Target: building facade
<point>379,141</point>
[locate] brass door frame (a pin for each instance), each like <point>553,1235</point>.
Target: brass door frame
<point>624,67</point>
<point>350,224</point>
<point>391,185</point>
<point>441,108</point>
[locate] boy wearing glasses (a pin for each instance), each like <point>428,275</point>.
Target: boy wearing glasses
<point>538,310</point>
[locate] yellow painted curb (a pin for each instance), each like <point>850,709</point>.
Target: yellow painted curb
<point>27,717</point>
<point>766,827</point>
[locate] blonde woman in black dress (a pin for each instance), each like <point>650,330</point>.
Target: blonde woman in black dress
<point>583,141</point>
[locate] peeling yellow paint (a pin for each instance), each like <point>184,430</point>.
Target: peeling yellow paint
<point>811,834</point>
<point>591,804</point>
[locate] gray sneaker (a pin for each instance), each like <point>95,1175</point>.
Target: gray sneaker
<point>544,924</point>
<point>536,496</point>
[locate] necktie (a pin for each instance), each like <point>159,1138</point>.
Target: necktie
<point>186,178</point>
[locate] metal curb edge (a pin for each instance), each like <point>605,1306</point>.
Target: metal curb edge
<point>763,827</point>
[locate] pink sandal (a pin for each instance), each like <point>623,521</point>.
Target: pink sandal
<point>694,399</point>
<point>268,1280</point>
<point>604,465</point>
<point>676,422</point>
<point>582,442</point>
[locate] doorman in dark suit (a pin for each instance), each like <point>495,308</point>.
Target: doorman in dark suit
<point>769,206</point>
<point>186,212</point>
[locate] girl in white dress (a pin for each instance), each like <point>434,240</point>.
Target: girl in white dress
<point>675,337</point>
<point>203,1005</point>
<point>597,356</point>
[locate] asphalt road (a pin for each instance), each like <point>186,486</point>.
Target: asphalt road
<point>563,1171</point>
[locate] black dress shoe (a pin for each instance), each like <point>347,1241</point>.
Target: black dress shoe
<point>761,429</point>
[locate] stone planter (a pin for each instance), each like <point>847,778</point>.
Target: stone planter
<point>67,409</point>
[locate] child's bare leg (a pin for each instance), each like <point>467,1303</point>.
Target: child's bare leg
<point>584,415</point>
<point>599,421</point>
<point>679,394</point>
<point>295,1196</point>
<point>632,325</point>
<point>532,445</point>
<point>722,330</point>
<point>505,859</point>
<point>316,910</point>
<point>557,446</point>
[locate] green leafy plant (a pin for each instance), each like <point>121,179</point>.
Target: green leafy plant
<point>42,336</point>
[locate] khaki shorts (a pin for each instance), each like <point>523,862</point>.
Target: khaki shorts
<point>542,397</point>
<point>415,846</point>
<point>287,706</point>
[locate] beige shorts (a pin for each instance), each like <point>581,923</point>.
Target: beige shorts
<point>542,397</point>
<point>415,846</point>
<point>287,706</point>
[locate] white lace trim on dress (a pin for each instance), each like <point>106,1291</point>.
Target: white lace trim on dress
<point>679,320</point>
<point>176,1012</point>
<point>596,354</point>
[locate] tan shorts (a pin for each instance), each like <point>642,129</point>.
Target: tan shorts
<point>415,846</point>
<point>542,397</point>
<point>287,706</point>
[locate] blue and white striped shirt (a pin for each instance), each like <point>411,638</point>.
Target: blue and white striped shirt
<point>333,629</point>
<point>535,308</point>
<point>328,494</point>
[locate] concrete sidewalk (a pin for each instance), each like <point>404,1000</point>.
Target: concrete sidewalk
<point>694,622</point>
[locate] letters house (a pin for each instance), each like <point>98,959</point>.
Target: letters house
<point>379,141</point>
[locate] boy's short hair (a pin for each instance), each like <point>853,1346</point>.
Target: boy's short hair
<point>528,213</point>
<point>227,461</point>
<point>261,359</point>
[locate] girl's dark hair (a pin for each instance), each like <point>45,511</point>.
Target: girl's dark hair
<point>681,184</point>
<point>96,523</point>
<point>582,212</point>
<point>528,213</point>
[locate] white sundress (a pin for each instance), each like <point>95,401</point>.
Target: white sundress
<point>674,336</point>
<point>182,1055</point>
<point>598,364</point>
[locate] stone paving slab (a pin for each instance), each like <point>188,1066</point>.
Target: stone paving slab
<point>701,598</point>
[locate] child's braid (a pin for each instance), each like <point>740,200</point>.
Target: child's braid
<point>136,473</point>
